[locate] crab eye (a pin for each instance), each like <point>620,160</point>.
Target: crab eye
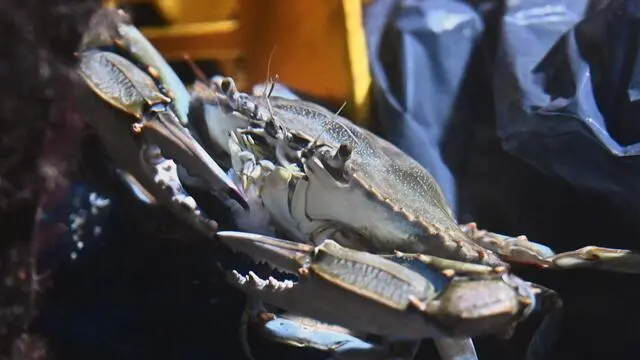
<point>228,86</point>
<point>344,152</point>
<point>334,161</point>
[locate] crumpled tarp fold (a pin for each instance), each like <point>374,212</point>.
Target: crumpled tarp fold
<point>566,84</point>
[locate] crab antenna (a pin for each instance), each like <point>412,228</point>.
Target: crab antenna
<point>197,71</point>
<point>273,85</point>
<point>268,79</point>
<point>341,108</point>
<point>343,125</point>
<point>267,94</point>
<point>315,142</point>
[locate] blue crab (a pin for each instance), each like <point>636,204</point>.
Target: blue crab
<point>319,176</point>
<point>143,110</point>
<point>370,226</point>
<point>343,181</point>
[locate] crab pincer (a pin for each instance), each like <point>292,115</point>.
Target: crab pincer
<point>398,296</point>
<point>138,115</point>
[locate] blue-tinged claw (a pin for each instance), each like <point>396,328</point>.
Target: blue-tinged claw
<point>373,291</point>
<point>176,143</point>
<point>377,295</point>
<point>288,256</point>
<point>339,342</point>
<point>144,131</point>
<point>113,27</point>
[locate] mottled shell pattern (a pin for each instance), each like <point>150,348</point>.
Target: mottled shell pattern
<point>387,174</point>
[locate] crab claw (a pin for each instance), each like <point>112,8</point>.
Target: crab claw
<point>176,143</point>
<point>287,256</point>
<point>377,295</point>
<point>340,343</point>
<point>371,299</point>
<point>343,344</point>
<point>143,135</point>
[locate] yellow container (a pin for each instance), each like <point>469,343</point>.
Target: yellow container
<point>318,46</point>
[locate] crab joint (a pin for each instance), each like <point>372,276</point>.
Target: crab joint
<point>414,301</point>
<point>265,317</point>
<point>500,269</point>
<point>136,128</point>
<point>153,72</point>
<point>303,273</point>
<point>448,273</point>
<point>525,300</point>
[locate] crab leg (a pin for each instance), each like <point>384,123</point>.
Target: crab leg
<point>520,249</point>
<point>301,297</point>
<point>375,293</point>
<point>307,332</point>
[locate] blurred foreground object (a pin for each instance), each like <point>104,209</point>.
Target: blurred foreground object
<point>37,147</point>
<point>318,46</point>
